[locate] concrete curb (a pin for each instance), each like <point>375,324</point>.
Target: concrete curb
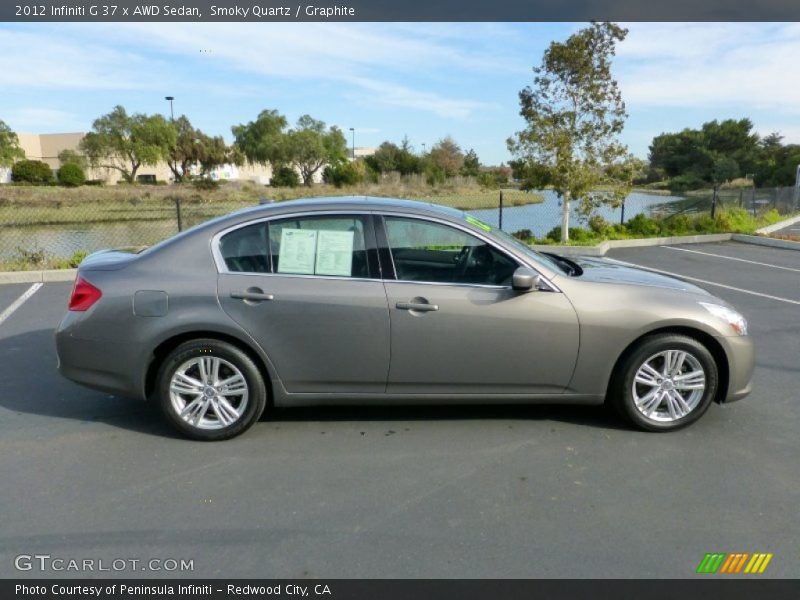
<point>38,276</point>
<point>765,241</point>
<point>779,225</point>
<point>603,247</point>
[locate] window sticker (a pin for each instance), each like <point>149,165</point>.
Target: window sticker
<point>478,223</point>
<point>335,253</point>
<point>297,251</point>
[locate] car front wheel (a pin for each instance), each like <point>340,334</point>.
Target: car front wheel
<point>210,390</point>
<point>666,382</point>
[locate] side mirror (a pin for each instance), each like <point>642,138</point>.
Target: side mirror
<point>524,279</point>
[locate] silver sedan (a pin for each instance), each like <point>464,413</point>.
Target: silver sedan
<point>365,300</point>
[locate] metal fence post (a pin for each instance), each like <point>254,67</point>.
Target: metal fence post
<point>714,202</point>
<point>500,213</point>
<point>178,212</point>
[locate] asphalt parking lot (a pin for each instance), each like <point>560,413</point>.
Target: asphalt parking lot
<point>412,492</point>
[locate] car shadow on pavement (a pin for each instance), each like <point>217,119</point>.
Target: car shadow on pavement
<point>586,416</point>
<point>33,385</point>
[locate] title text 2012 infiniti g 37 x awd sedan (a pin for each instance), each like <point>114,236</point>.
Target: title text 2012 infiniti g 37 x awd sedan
<point>356,300</point>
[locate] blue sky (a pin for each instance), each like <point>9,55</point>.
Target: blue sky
<point>388,80</point>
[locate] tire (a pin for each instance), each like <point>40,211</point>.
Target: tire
<point>227,403</point>
<point>652,402</point>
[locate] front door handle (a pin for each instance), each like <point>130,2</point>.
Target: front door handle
<point>252,294</point>
<point>417,306</point>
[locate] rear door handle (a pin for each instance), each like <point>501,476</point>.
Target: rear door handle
<point>417,306</point>
<point>256,296</point>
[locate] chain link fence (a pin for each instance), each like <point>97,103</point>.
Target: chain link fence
<point>51,227</point>
<point>539,219</point>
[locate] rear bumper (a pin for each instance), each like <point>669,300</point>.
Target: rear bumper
<point>105,365</point>
<point>741,362</point>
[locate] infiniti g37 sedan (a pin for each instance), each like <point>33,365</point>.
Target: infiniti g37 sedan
<point>366,300</point>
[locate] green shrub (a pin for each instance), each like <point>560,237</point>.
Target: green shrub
<point>677,225</point>
<point>642,225</point>
<point>33,257</point>
<point>285,177</point>
<point>576,234</point>
<point>32,171</point>
<point>523,234</point>
<point>705,224</point>
<point>343,174</point>
<point>683,183</point>
<point>598,225</point>
<point>71,175</point>
<point>207,185</point>
<point>435,175</point>
<point>492,179</point>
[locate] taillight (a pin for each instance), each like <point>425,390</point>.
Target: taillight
<point>84,295</point>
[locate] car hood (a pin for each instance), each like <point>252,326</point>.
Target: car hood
<point>605,270</point>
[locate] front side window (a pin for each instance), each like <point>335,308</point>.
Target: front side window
<point>321,245</point>
<point>431,252</point>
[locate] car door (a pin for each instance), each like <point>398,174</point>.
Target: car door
<point>307,289</point>
<point>457,325</point>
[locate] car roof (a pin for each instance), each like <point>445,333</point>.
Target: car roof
<point>348,203</point>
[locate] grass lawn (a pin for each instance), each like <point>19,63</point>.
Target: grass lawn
<point>35,205</point>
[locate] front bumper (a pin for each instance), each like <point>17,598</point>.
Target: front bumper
<point>740,352</point>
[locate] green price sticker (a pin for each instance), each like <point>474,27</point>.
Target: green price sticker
<point>478,223</point>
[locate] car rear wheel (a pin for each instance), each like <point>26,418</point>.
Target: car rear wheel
<point>210,390</point>
<point>666,382</point>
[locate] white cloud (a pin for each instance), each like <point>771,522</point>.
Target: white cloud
<point>375,59</point>
<point>35,119</point>
<point>711,65</point>
<point>46,61</point>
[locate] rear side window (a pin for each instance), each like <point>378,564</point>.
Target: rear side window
<point>323,245</point>
<point>246,250</point>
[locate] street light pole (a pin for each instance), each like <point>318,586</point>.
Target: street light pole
<point>171,113</point>
<point>423,147</point>
<point>353,130</point>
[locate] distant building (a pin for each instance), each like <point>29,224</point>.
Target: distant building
<point>363,151</point>
<point>47,146</point>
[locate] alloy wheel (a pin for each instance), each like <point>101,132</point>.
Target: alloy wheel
<point>208,392</point>
<point>669,385</point>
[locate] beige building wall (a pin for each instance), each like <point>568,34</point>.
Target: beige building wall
<point>47,146</point>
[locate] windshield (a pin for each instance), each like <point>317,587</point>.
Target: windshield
<point>510,240</point>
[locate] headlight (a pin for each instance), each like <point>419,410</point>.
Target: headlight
<point>730,316</point>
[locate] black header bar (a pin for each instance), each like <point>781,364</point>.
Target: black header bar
<point>398,10</point>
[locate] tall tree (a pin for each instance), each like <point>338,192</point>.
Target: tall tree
<point>312,145</point>
<point>185,153</point>
<point>9,146</point>
<point>446,155</point>
<point>472,164</point>
<point>125,142</point>
<point>263,141</point>
<point>695,153</point>
<point>574,114</point>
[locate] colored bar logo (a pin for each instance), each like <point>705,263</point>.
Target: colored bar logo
<point>734,562</point>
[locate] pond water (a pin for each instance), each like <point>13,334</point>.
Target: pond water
<point>64,240</point>
<point>541,218</point>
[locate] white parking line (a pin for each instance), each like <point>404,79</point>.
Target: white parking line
<point>752,262</point>
<point>19,302</point>
<point>722,285</point>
